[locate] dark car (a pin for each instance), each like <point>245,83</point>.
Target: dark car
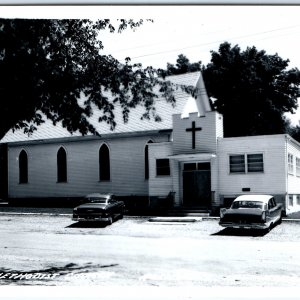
<point>252,212</point>
<point>99,207</point>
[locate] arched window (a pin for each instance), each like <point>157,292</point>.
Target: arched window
<point>146,156</point>
<point>23,167</point>
<point>61,165</point>
<point>104,163</point>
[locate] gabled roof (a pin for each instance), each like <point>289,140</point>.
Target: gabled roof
<point>165,110</point>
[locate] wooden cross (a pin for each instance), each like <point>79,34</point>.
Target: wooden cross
<point>193,130</point>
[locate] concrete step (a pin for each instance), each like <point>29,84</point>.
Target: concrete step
<point>177,219</point>
<point>188,213</point>
<point>178,214</point>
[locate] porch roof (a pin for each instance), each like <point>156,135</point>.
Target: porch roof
<point>193,156</point>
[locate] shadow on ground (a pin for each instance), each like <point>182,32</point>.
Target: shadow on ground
<point>88,225</point>
<point>240,232</point>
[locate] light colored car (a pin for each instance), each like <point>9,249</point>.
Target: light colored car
<point>252,212</point>
<point>99,207</point>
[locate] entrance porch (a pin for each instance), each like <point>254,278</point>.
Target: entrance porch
<point>194,181</point>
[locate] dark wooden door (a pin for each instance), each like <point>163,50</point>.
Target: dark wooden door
<point>196,188</point>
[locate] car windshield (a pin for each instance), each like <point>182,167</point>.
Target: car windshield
<point>96,200</point>
<point>247,204</point>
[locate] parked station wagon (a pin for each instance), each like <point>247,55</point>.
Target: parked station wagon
<point>99,207</point>
<point>252,212</point>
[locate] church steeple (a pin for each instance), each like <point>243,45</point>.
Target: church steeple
<point>198,127</point>
<point>200,103</point>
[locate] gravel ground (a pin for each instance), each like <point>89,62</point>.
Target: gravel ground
<point>135,252</point>
<point>35,210</point>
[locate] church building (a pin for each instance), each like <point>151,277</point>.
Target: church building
<point>184,155</point>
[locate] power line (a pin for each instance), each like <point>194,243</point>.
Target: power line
<point>214,42</point>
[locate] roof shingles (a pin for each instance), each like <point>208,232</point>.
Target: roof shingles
<point>164,109</point>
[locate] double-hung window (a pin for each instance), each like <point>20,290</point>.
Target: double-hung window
<point>297,166</point>
<point>237,163</point>
<point>246,163</point>
<point>255,163</point>
<point>291,164</point>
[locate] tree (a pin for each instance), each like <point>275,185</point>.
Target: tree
<point>47,65</point>
<point>251,89</point>
<point>183,65</point>
<point>294,131</point>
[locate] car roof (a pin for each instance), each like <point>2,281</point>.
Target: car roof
<point>262,198</point>
<point>97,195</point>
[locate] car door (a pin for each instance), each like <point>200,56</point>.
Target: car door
<point>277,209</point>
<point>272,209</point>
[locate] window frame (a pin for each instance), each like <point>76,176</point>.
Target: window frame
<point>242,163</point>
<point>62,174</point>
<point>23,167</point>
<point>166,167</point>
<point>297,166</point>
<point>245,169</point>
<point>256,162</point>
<point>105,169</point>
<point>290,164</point>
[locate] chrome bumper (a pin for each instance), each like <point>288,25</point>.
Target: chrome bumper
<point>97,219</point>
<point>245,225</point>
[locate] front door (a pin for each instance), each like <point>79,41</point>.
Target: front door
<point>197,184</point>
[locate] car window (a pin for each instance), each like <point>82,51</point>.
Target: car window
<point>271,204</point>
<point>247,204</point>
<point>97,200</point>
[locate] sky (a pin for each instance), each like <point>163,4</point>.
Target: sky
<point>192,30</point>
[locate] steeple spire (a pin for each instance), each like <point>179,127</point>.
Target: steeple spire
<point>198,103</point>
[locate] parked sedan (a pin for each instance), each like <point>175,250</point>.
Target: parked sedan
<point>99,207</point>
<point>252,212</point>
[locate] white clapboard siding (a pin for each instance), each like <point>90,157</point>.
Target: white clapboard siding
<point>293,182</point>
<point>126,162</point>
<point>159,185</point>
<point>206,138</point>
<point>272,180</point>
